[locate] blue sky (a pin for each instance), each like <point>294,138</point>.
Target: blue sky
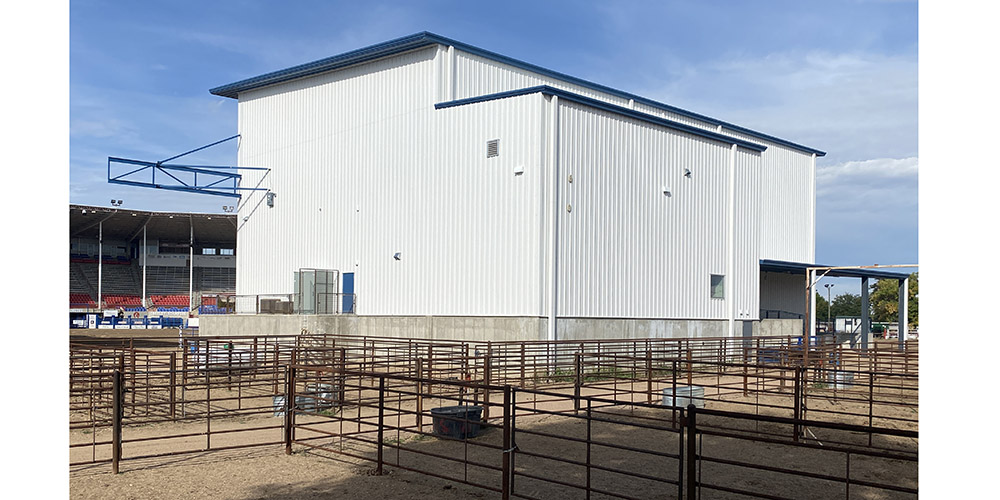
<point>840,76</point>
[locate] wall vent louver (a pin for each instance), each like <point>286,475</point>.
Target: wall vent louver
<point>493,148</point>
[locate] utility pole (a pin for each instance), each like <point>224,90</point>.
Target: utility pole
<point>829,305</point>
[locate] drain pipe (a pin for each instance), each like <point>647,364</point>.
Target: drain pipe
<point>731,247</point>
<point>553,215</point>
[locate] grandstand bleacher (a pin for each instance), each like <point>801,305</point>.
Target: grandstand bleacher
<point>168,278</point>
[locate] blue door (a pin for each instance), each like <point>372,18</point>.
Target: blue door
<point>348,297</point>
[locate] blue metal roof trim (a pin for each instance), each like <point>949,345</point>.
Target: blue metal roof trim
<point>595,103</point>
<point>361,55</point>
<point>780,266</point>
<point>425,38</point>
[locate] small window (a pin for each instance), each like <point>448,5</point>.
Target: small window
<point>208,251</point>
<point>718,286</point>
<point>493,148</point>
<point>226,251</point>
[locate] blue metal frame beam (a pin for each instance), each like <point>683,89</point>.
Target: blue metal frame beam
<point>209,186</point>
<point>192,187</point>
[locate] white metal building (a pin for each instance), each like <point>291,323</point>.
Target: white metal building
<point>457,183</point>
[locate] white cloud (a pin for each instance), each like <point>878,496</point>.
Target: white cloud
<point>873,192</point>
<point>881,169</point>
<point>855,106</point>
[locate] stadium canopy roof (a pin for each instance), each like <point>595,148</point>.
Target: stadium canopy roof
<point>780,266</point>
<point>125,224</point>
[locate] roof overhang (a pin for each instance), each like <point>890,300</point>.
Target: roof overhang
<point>780,266</point>
<point>603,105</point>
<point>426,39</point>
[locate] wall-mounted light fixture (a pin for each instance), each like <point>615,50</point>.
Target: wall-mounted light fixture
<point>666,191</point>
<point>687,172</point>
<point>395,256</point>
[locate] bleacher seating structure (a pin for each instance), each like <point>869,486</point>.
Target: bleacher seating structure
<point>121,285</point>
<point>81,300</point>
<point>170,300</point>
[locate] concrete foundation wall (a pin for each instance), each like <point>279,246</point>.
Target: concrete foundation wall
<point>780,327</point>
<point>466,328</point>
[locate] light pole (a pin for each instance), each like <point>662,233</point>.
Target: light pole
<point>829,304</point>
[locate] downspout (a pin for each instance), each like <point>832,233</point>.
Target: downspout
<point>191,271</point>
<point>100,262</point>
<point>812,220</point>
<point>731,247</point>
<point>450,82</point>
<point>553,216</point>
<point>145,250</point>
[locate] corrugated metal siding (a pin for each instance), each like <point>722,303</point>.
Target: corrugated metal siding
<point>364,167</point>
<point>626,249</point>
<point>478,76</point>
<point>320,138</point>
<point>786,200</point>
<point>747,228</point>
<point>782,292</point>
<point>787,193</point>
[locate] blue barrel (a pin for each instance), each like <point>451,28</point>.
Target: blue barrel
<point>458,422</point>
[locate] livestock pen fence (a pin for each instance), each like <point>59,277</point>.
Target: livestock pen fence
<point>571,403</point>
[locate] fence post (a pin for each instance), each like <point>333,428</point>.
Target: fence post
<point>173,384</point>
<point>508,448</point>
<point>692,452</point>
<point>589,434</point>
<point>342,379</point>
<point>673,394</point>
<point>649,376</point>
<point>118,412</point>
<point>522,365</point>
<point>488,379</point>
<point>513,435</point>
<point>797,402</point>
<point>744,371</point>
<point>289,407</point>
<point>381,420</point>
<point>420,395</point>
<point>578,381</point>
<point>430,367</point>
<point>689,367</point>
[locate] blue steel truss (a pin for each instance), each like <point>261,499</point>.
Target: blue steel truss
<point>201,179</point>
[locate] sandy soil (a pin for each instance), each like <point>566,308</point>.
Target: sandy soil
<point>266,472</point>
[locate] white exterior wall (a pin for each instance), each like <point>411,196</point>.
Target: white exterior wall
<point>626,250</point>
<point>363,167</point>
<point>787,212</point>
<point>782,292</point>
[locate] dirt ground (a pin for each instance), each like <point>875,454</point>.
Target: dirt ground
<point>265,472</point>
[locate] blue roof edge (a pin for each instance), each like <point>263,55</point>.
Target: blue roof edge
<point>614,108</point>
<point>426,38</point>
<point>800,268</point>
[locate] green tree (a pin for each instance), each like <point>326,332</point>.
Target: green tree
<point>885,300</point>
<point>847,304</point>
<point>821,307</point>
